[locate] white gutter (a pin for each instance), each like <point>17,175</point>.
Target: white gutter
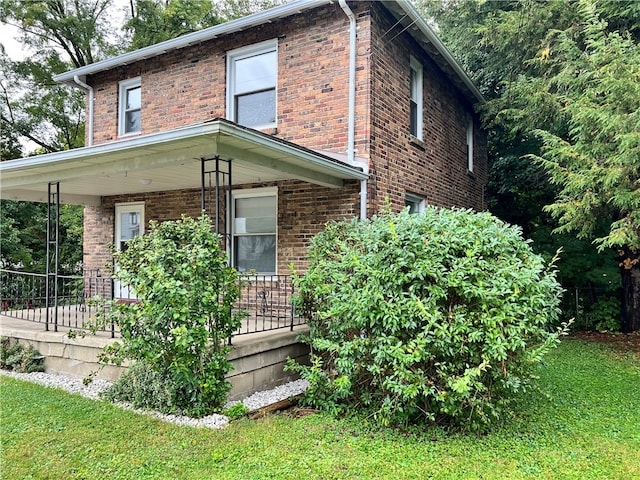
<point>352,108</point>
<point>89,89</point>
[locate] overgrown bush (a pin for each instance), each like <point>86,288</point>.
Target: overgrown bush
<point>438,316</point>
<point>179,327</point>
<point>18,358</point>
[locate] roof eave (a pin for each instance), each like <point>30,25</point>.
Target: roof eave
<point>210,33</point>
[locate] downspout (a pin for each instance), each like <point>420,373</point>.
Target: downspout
<point>89,89</point>
<point>352,107</point>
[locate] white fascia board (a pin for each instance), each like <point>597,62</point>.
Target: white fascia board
<point>213,128</point>
<point>426,30</point>
<point>239,24</point>
<point>106,148</point>
<point>285,148</point>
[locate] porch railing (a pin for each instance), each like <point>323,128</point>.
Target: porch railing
<point>265,299</point>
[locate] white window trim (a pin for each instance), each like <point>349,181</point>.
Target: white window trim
<point>418,200</point>
<point>252,193</point>
<point>238,54</point>
<point>416,66</point>
<point>470,143</point>
<point>123,86</point>
<point>121,291</point>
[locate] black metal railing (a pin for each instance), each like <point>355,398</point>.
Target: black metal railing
<point>79,299</point>
<point>267,301</point>
<point>71,301</point>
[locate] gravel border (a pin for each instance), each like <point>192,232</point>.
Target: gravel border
<point>92,390</point>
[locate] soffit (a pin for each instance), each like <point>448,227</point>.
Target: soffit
<point>168,161</point>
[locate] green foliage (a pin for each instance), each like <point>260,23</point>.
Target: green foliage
<point>181,323</point>
<point>236,411</point>
<point>23,230</point>
<point>15,356</point>
<point>587,429</point>
<point>604,315</point>
<point>61,36</point>
<point>155,21</point>
<point>145,387</point>
<point>437,316</point>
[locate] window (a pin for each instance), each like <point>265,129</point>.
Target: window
<point>130,106</point>
<point>415,203</point>
<point>129,224</point>
<point>252,74</point>
<point>470,143</point>
<point>415,104</point>
<point>254,230</point>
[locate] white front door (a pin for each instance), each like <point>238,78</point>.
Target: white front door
<point>129,224</point>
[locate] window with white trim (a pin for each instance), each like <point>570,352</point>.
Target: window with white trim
<point>415,203</point>
<point>130,106</point>
<point>254,230</point>
<point>252,74</point>
<point>416,101</point>
<point>470,143</point>
<point>129,223</point>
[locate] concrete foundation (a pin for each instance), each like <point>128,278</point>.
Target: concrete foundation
<point>258,359</point>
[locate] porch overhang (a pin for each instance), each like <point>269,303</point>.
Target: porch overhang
<point>169,160</point>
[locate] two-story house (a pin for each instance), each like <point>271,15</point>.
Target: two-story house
<point>275,123</point>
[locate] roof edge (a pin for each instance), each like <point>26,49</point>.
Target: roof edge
<point>433,38</point>
<point>266,16</point>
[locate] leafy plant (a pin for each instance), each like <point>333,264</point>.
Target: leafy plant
<point>15,356</point>
<point>180,325</point>
<point>438,316</point>
<point>236,411</point>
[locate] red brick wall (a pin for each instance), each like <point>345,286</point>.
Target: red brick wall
<point>188,86</point>
<point>303,209</point>
<point>435,168</point>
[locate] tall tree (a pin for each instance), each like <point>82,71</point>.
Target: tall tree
<point>154,21</point>
<point>535,85</point>
<point>594,76</point>
<point>62,34</point>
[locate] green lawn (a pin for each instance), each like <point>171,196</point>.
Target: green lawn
<point>588,428</point>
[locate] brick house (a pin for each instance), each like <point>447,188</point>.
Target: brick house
<point>275,123</point>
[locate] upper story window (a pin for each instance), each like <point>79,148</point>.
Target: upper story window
<point>254,232</point>
<point>470,143</point>
<point>415,104</point>
<point>252,74</point>
<point>130,104</point>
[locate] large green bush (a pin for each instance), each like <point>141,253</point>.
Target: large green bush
<point>438,316</point>
<point>179,327</point>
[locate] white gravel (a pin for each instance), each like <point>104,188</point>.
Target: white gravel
<point>93,389</point>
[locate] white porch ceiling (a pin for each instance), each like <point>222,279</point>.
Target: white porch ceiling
<point>168,161</point>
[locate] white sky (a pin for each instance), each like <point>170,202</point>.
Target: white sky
<point>8,36</point>
<point>9,33</point>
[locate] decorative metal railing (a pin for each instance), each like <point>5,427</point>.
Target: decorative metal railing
<point>75,301</point>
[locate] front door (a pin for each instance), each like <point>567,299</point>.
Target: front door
<point>129,224</point>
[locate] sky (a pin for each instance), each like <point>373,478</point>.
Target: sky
<point>14,49</point>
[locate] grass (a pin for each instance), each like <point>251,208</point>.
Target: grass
<point>588,428</point>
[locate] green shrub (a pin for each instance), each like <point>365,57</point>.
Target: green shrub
<point>144,387</point>
<point>180,326</point>
<point>15,356</point>
<point>438,316</point>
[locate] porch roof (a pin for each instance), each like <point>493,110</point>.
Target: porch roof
<point>169,160</point>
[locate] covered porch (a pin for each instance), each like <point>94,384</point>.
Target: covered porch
<point>208,160</point>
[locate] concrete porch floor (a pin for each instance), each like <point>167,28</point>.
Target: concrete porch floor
<point>258,358</point>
